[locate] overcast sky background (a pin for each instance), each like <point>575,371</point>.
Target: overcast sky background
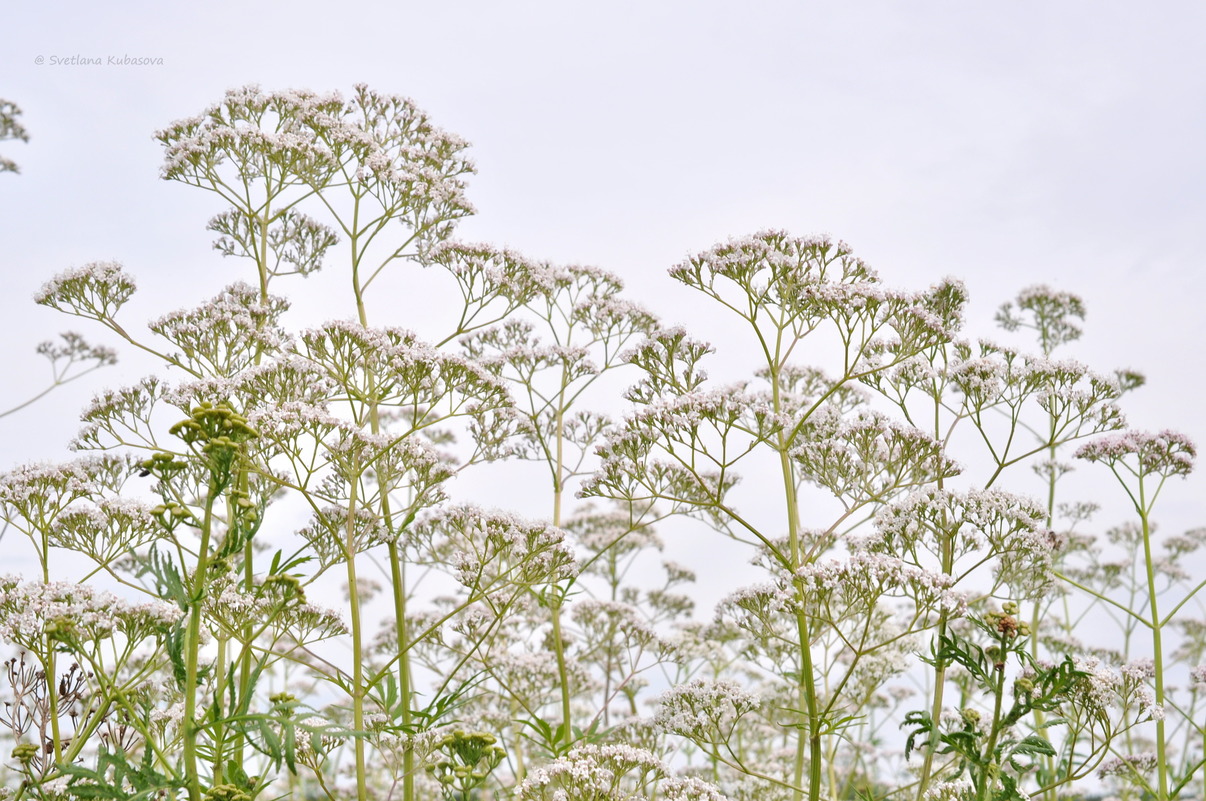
<point>1007,144</point>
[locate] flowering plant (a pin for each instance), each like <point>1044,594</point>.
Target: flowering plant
<point>911,634</point>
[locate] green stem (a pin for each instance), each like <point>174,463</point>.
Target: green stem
<point>1040,717</point>
<point>192,778</point>
<point>408,758</point>
<point>555,607</point>
<point>245,658</point>
<point>927,764</point>
<point>948,567</point>
<point>396,565</point>
<point>806,682</point>
<point>988,778</point>
<point>357,647</point>
<point>1157,645</point>
<point>220,727</point>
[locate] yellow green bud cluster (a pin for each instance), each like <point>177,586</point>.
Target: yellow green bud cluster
<point>25,752</point>
<point>471,758</point>
<point>170,508</point>
<point>218,426</point>
<point>161,462</point>
<point>227,792</point>
<point>244,505</point>
<point>62,629</point>
<point>284,703</point>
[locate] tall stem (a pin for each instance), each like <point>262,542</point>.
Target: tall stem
<point>219,690</point>
<point>357,647</point>
<point>988,777</point>
<point>396,565</point>
<point>806,690</point>
<point>245,658</point>
<point>948,567</point>
<point>52,684</point>
<point>555,608</point>
<point>396,574</point>
<point>1157,645</point>
<point>191,775</point>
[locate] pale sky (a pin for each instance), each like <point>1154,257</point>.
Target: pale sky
<point>1003,143</point>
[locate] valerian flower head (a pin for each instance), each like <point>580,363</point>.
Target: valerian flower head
<point>1197,678</point>
<point>75,613</point>
<point>599,772</point>
<point>690,788</point>
<point>953,790</point>
<point>612,624</point>
<point>705,711</point>
<point>1129,766</point>
<point>278,602</point>
<point>272,141</point>
<point>394,368</point>
<point>262,135</point>
<point>774,268</point>
<point>1078,401</point>
<point>670,359</point>
<point>612,321</point>
<point>857,585</point>
<point>612,532</point>
<point>74,348</point>
<point>1012,527</point>
<point>34,495</point>
<point>486,274</point>
<point>492,551</point>
<point>105,530</point>
<point>1167,453</point>
<point>335,535</point>
<point>872,457</point>
<point>95,291</point>
<point>1050,313</point>
<point>1100,687</point>
<point>797,284</point>
<point>297,244</point>
<point>227,335</point>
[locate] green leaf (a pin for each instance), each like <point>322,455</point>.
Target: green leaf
<point>125,783</point>
<point>1035,744</point>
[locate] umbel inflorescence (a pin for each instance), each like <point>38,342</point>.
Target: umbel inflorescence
<point>922,574</point>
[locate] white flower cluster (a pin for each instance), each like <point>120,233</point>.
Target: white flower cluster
<point>704,711</point>
<point>954,790</point>
<point>105,530</point>
<point>492,550</point>
<point>611,773</point>
<point>1197,678</point>
<point>35,497</point>
<point>1051,314</point>
<point>1127,767</point>
<point>1166,453</point>
<point>277,607</point>
<point>1009,527</point>
<point>612,624</point>
<point>74,612</point>
<point>95,291</point>
<point>1102,686</point>
<point>391,148</point>
<point>872,456</point>
<point>227,334</point>
<point>866,577</point>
